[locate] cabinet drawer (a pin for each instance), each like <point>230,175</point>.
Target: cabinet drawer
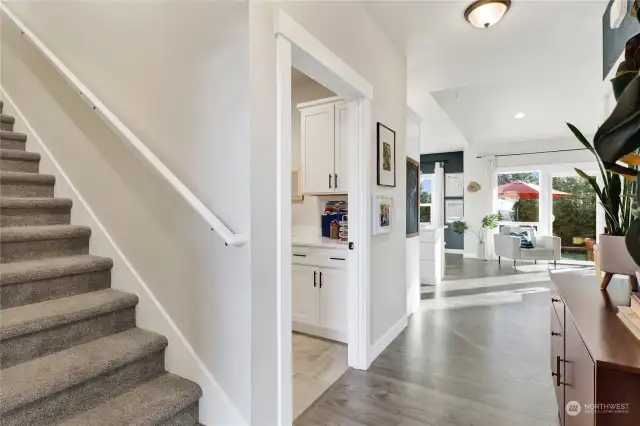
<point>557,305</point>
<point>579,380</point>
<point>319,257</point>
<point>557,365</point>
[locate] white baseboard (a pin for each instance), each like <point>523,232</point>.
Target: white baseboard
<point>319,331</point>
<point>454,251</point>
<point>180,358</point>
<point>388,337</point>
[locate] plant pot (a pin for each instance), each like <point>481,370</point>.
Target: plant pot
<point>481,251</point>
<point>614,256</point>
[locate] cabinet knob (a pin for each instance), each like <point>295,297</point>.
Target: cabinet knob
<point>553,333</point>
<point>554,300</point>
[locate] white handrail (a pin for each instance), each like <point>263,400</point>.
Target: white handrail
<point>216,224</point>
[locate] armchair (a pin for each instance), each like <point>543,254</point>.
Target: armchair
<point>544,247</point>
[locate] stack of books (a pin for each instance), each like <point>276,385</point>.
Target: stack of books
<point>630,316</point>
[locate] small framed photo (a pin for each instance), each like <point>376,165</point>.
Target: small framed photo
<point>453,210</point>
<point>382,215</point>
<point>386,156</point>
<point>454,185</point>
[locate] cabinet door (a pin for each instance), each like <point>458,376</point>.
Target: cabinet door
<point>305,294</point>
<point>318,149</point>
<point>333,301</point>
<point>579,378</point>
<point>557,368</point>
<point>346,134</point>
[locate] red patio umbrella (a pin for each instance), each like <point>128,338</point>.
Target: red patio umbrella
<point>525,190</point>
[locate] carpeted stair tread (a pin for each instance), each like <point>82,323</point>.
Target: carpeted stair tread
<point>36,317</point>
<point>44,376</point>
<point>37,233</point>
<point>35,203</point>
<point>23,177</point>
<point>40,269</point>
<point>13,136</point>
<point>16,154</point>
<point>147,404</point>
<point>7,118</point>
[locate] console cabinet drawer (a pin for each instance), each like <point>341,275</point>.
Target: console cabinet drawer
<point>579,380</point>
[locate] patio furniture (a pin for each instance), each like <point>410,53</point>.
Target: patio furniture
<point>544,247</point>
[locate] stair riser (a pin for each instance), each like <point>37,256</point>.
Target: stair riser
<point>25,348</point>
<point>11,144</point>
<point>19,294</point>
<point>6,126</point>
<point>7,165</point>
<point>41,249</point>
<point>186,417</point>
<point>54,408</point>
<point>26,190</point>
<point>34,217</point>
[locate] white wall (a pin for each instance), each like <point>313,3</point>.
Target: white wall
<point>413,244</point>
<point>349,31</point>
<point>480,203</point>
<point>305,213</point>
<point>177,74</point>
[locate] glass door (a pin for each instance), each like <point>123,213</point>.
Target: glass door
<point>574,217</point>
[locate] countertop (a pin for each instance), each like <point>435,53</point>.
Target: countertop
<point>318,242</point>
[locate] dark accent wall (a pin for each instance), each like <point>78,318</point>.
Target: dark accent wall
<point>453,163</point>
<point>613,41</point>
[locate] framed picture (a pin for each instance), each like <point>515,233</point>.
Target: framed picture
<point>382,214</point>
<point>386,156</point>
<point>454,185</point>
<point>413,198</point>
<point>296,186</point>
<point>453,210</point>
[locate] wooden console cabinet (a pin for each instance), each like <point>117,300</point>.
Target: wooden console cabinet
<point>595,360</point>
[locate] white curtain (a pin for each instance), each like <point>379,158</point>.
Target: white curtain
<point>491,182</point>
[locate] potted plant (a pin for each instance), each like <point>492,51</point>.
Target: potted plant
<point>632,238</point>
<point>490,221</point>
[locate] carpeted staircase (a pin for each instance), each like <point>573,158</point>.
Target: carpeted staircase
<point>70,351</point>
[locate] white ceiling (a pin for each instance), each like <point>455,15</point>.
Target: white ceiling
<point>544,59</point>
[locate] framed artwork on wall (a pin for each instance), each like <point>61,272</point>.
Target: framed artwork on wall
<point>454,210</point>
<point>382,214</point>
<point>454,185</point>
<point>386,156</point>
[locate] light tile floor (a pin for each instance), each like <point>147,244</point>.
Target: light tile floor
<point>317,364</point>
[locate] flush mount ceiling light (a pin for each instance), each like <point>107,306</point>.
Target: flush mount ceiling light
<point>519,115</point>
<point>486,13</point>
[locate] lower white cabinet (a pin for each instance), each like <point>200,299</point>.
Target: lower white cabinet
<point>319,301</point>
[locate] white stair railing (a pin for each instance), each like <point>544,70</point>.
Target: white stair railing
<point>230,238</point>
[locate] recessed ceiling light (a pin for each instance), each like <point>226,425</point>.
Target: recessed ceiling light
<point>486,13</point>
<point>519,115</point>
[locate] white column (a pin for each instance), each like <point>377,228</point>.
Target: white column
<point>437,215</point>
<point>546,204</point>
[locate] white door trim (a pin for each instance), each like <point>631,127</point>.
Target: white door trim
<point>297,47</point>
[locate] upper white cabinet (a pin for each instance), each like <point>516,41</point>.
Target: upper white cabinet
<point>328,127</point>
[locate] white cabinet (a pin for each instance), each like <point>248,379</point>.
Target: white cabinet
<point>328,127</point>
<point>333,300</point>
<point>320,293</point>
<point>304,290</point>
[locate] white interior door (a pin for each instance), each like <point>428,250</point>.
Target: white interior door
<point>333,301</point>
<point>318,149</point>
<point>305,294</point>
<point>346,133</point>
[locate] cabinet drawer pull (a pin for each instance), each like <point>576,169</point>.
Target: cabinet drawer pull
<point>554,300</point>
<point>315,283</point>
<point>329,180</point>
<point>299,255</point>
<point>557,375</point>
<point>337,258</point>
<point>320,279</point>
<point>335,176</point>
<point>553,333</point>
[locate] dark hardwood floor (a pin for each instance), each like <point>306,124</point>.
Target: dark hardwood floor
<point>474,366</point>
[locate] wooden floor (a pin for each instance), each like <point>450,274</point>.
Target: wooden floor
<point>473,366</point>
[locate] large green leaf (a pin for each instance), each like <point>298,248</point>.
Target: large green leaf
<point>632,240</point>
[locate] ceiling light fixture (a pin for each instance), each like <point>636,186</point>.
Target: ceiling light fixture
<point>486,13</point>
<point>519,115</point>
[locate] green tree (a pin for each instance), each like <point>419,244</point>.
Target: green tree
<point>575,214</point>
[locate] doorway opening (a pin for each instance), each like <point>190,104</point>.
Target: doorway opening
<point>323,291</point>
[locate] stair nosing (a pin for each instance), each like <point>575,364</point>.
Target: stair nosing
<point>42,269</point>
<point>35,203</point>
<point>22,376</point>
<point>69,310</point>
<point>190,393</point>
<point>18,154</point>
<point>13,136</point>
<point>13,234</point>
<point>38,178</point>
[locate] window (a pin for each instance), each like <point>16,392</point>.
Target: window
<point>426,192</point>
<point>519,197</point>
